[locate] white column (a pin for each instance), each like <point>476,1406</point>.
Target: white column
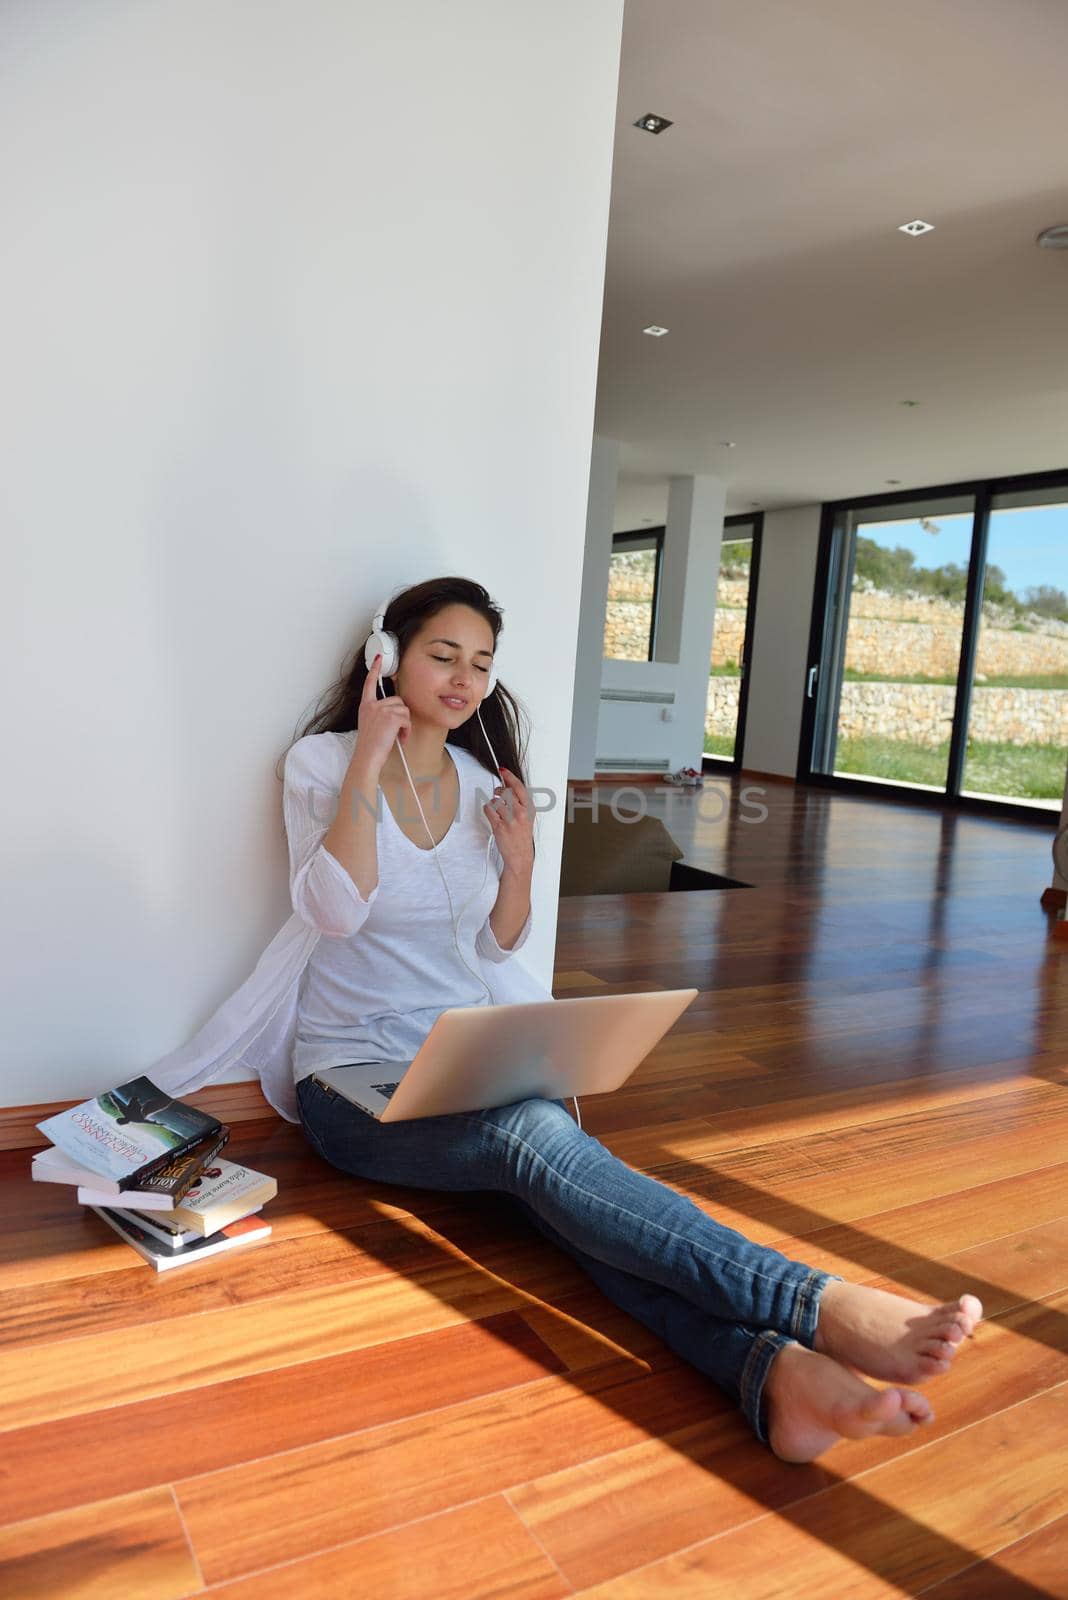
<point>789,547</point>
<point>593,605</point>
<point>687,608</point>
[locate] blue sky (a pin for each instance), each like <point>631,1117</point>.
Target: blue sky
<point>1029,545</point>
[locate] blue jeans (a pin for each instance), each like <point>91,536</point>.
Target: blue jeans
<point>721,1302</point>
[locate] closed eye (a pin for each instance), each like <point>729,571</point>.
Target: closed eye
<point>449,658</point>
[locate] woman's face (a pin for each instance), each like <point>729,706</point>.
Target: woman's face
<point>444,670</point>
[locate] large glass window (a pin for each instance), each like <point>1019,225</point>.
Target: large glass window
<point>1018,707</point>
<point>940,643</point>
<point>633,584</point>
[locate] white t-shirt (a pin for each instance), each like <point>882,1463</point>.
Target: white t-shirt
<point>388,966</point>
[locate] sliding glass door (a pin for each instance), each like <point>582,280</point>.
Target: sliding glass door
<point>939,657</point>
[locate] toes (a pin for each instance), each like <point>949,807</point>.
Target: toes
<point>941,1349</point>
<point>914,1411</point>
<point>917,1406</point>
<point>880,1406</point>
<point>971,1310</point>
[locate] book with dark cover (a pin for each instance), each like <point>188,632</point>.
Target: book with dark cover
<point>161,1193</point>
<point>130,1133</point>
<point>248,1231</point>
<point>176,1179</point>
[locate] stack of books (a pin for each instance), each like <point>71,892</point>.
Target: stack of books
<point>150,1167</point>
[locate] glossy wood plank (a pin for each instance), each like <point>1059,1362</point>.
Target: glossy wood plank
<point>902,1527</point>
<point>131,1447</point>
<point>766,1205</point>
<point>1031,1264</point>
<point>40,1384</point>
<point>896,1241</point>
<point>305,1500</point>
<point>1034,1566</point>
<point>130,1295</point>
<point>476,1552</point>
<point>134,1547</point>
<point>604,1518</point>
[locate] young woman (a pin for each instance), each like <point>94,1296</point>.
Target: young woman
<point>788,1342</point>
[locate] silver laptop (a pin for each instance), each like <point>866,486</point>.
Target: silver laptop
<point>476,1057</point>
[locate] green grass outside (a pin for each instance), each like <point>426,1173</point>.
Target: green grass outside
<point>1023,772</point>
<point>1004,680</point>
<point>997,680</point>
<point>719,744</point>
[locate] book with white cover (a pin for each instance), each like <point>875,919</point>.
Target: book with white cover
<point>52,1166</point>
<point>127,1133</point>
<point>223,1192</point>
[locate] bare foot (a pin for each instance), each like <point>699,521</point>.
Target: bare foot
<point>888,1336</point>
<point>813,1402</point>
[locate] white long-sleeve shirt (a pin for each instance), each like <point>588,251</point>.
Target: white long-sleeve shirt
<point>384,996</point>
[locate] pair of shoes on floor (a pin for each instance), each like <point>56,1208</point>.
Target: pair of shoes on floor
<point>687,778</point>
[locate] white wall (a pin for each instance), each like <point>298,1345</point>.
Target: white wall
<point>789,547</point>
<point>300,302</point>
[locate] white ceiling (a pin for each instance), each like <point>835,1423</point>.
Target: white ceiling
<point>762,231</point>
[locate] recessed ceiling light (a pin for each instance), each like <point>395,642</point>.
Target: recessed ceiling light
<point>651,123</point>
<point>728,444</point>
<point>654,332</point>
<point>1055,238</point>
<point>916,227</point>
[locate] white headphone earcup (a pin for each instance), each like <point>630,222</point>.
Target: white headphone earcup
<point>380,642</point>
<point>384,644</point>
<point>491,682</point>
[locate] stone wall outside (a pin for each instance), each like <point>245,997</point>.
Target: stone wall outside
<point>893,635</point>
<point>922,713</point>
<point>888,633</point>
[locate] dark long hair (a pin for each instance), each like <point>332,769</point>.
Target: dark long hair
<point>506,721</point>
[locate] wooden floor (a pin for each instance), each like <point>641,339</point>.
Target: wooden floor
<point>407,1394</point>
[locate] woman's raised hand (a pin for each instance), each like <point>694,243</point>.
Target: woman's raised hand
<point>382,723</point>
<point>511,816</point>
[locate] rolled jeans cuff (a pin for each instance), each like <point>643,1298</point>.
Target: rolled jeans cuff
<point>806,1312</point>
<point>767,1344</point>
